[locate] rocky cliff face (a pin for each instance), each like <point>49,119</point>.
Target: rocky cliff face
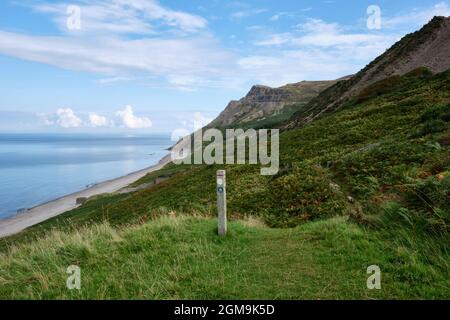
<point>429,47</point>
<point>262,102</point>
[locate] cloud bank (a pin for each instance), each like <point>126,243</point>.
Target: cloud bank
<point>67,118</point>
<point>97,121</point>
<point>129,120</point>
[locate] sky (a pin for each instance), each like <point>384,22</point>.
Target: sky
<point>147,66</point>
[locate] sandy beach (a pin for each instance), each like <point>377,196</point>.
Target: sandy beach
<point>51,209</point>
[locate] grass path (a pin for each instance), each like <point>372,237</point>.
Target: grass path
<point>182,258</point>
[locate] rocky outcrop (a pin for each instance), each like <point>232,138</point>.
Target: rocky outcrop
<point>262,101</point>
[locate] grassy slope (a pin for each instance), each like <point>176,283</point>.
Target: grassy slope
<point>398,52</point>
<point>182,258</point>
<point>388,149</point>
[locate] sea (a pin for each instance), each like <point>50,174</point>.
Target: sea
<point>37,168</point>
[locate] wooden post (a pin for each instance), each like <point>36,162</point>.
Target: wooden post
<point>222,202</point>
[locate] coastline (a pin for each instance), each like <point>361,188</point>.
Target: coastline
<point>56,207</point>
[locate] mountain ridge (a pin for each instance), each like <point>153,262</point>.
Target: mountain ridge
<point>263,101</point>
<point>428,48</point>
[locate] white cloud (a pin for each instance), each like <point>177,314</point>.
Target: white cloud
<point>417,17</point>
<point>201,120</point>
<point>275,40</point>
<point>201,57</point>
<point>96,120</point>
<point>66,118</point>
<point>317,49</point>
<point>318,33</point>
<point>185,82</point>
<point>176,49</point>
<point>189,83</point>
<point>111,80</point>
<point>314,50</point>
<point>247,13</point>
<point>335,39</point>
<point>193,121</point>
<point>123,16</point>
<point>104,46</point>
<point>294,65</point>
<point>276,17</point>
<point>290,14</point>
<point>255,62</point>
<point>129,120</point>
<point>318,26</point>
<point>45,119</point>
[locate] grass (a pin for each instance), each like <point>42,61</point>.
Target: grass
<point>387,151</point>
<point>183,258</point>
<point>168,171</point>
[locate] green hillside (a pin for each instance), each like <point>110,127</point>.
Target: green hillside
<point>368,184</point>
<point>397,60</point>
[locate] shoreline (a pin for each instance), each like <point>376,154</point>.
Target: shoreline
<point>56,207</point>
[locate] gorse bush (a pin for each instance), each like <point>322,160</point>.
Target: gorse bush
<point>305,193</point>
<point>434,119</point>
<point>436,112</point>
<point>431,126</point>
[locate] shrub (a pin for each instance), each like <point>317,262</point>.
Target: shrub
<point>378,88</point>
<point>432,126</point>
<point>397,216</point>
<point>306,193</point>
<point>436,112</point>
<point>367,186</point>
<point>429,194</point>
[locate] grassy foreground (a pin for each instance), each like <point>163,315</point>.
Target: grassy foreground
<point>183,258</point>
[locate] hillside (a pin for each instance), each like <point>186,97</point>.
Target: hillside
<point>369,148</point>
<point>366,183</point>
<point>264,105</point>
<point>372,179</point>
<point>429,47</point>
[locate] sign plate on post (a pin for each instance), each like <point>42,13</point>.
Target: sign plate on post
<point>222,202</point>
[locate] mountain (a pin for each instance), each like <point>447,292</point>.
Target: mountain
<point>367,183</point>
<point>429,48</point>
<point>264,104</point>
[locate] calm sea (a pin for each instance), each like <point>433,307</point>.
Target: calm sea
<point>36,168</point>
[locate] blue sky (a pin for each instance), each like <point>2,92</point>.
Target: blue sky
<point>154,66</point>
